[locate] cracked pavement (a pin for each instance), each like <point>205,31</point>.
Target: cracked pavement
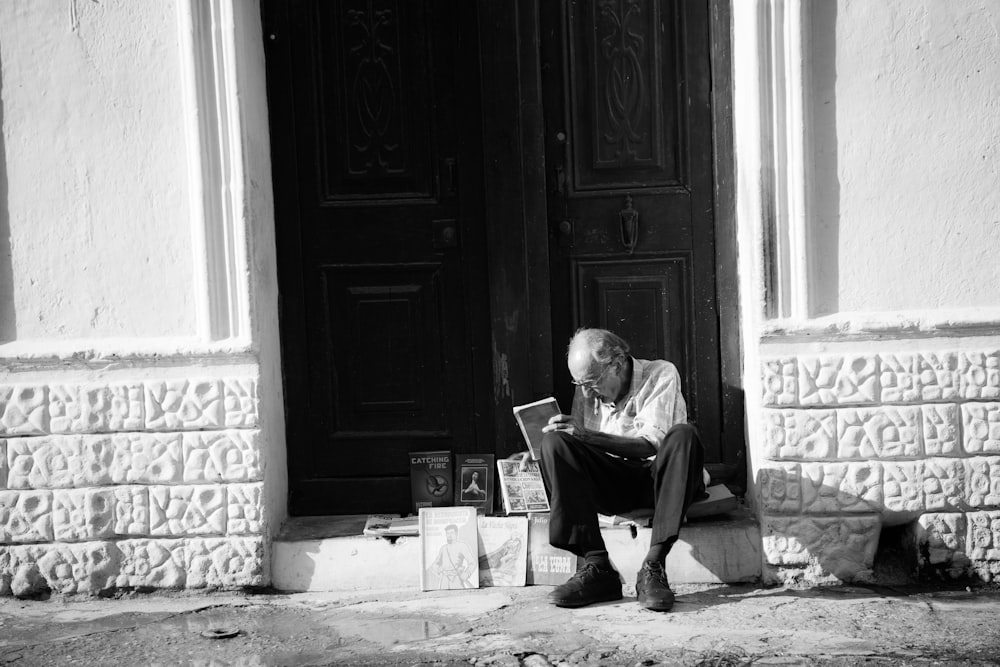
<point>710,625</point>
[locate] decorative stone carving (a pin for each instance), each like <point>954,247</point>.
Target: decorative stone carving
<point>928,376</point>
<point>799,434</point>
<point>239,397</point>
<point>44,463</point>
<point>87,567</point>
<point>187,510</point>
<point>25,516</point>
<point>883,432</point>
<point>3,464</point>
<point>841,487</point>
<point>903,486</point>
<point>940,429</point>
<point>22,410</point>
<point>780,381</point>
<point>147,458</point>
<point>216,456</point>
<point>131,510</point>
<point>152,563</point>
<point>983,481</point>
<point>95,408</point>
<point>842,546</point>
<point>941,542</point>
<point>838,380</point>
<point>980,375</point>
<point>246,509</point>
<point>898,378</point>
<point>944,484</point>
<point>981,426</point>
<point>83,514</point>
<point>984,543</point>
<point>225,562</point>
<point>173,405</point>
<point>780,488</point>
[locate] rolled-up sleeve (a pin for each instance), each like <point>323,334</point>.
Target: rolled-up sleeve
<point>655,413</point>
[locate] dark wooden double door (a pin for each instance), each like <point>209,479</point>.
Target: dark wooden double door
<point>384,246</point>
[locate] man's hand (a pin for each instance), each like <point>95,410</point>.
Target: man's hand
<point>564,423</point>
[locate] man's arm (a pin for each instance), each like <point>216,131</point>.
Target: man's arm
<point>629,448</point>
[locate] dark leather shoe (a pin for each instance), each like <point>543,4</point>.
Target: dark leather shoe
<point>652,589</point>
<point>590,584</point>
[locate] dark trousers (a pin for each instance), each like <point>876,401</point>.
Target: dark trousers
<point>583,481</point>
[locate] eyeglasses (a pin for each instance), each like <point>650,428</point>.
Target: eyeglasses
<point>592,384</point>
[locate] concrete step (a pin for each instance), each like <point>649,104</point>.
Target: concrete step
<point>330,554</point>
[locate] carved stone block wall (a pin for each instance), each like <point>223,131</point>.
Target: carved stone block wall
<point>856,440</point>
<point>146,483</point>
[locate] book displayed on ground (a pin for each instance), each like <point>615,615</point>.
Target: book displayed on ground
<point>531,418</point>
<point>449,548</point>
<point>523,490</point>
<point>431,479</point>
<point>546,564</point>
<point>503,550</point>
<point>391,525</point>
<point>474,481</point>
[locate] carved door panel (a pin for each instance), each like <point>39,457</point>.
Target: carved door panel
<point>374,107</point>
<point>629,176</point>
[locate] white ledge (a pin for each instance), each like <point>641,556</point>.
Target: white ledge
<point>90,352</point>
<point>898,324</point>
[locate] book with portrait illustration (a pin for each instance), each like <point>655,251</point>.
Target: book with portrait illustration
<point>503,550</point>
<point>431,479</point>
<point>474,481</point>
<point>523,491</point>
<point>449,548</point>
<point>531,418</point>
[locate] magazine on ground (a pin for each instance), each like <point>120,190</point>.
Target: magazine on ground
<point>390,525</point>
<point>474,481</point>
<point>523,491</point>
<point>449,548</point>
<point>531,418</point>
<point>503,550</point>
<point>547,565</point>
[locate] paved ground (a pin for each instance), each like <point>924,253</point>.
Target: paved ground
<point>719,626</point>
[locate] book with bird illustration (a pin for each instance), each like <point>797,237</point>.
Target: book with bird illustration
<point>431,479</point>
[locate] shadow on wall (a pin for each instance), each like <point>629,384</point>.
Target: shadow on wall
<point>836,528</point>
<point>825,207</point>
<point>8,324</point>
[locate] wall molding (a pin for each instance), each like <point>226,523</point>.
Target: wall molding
<point>216,169</point>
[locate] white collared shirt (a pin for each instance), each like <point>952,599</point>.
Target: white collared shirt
<point>652,406</point>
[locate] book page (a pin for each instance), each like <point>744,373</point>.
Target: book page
<point>532,418</point>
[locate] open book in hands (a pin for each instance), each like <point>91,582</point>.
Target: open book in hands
<point>532,418</point>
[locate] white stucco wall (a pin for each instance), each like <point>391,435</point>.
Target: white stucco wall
<point>906,103</point>
<point>141,424</point>
<point>870,313</point>
<point>94,181</point>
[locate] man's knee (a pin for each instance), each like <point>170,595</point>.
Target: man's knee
<point>555,444</point>
<point>680,436</point>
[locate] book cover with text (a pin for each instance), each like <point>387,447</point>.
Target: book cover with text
<point>503,550</point>
<point>431,479</point>
<point>449,548</point>
<point>523,491</point>
<point>547,565</point>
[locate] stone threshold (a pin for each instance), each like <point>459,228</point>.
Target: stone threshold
<point>329,553</point>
